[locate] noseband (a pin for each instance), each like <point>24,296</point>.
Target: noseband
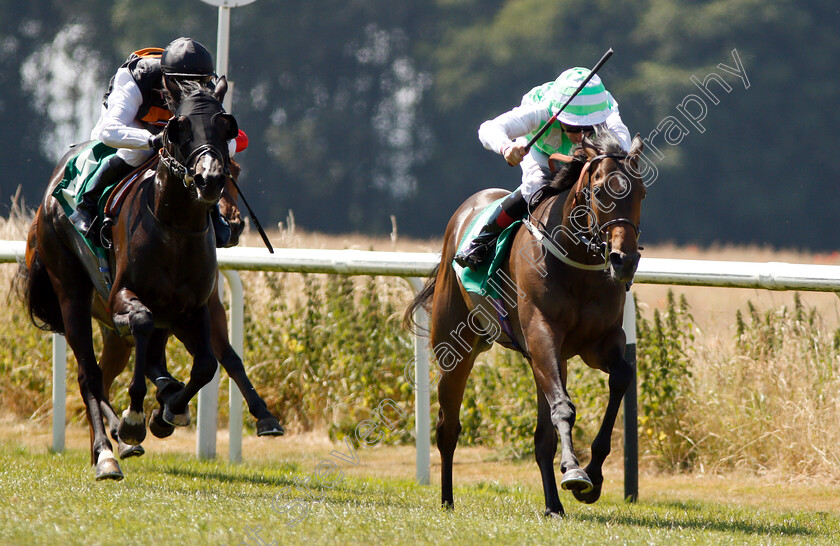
<point>181,170</point>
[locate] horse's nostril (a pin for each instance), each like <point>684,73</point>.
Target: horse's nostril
<point>616,259</point>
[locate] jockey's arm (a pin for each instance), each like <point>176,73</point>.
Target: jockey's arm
<point>499,133</point>
<point>617,126</point>
<point>118,127</point>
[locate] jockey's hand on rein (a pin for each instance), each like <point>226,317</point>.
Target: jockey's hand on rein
<point>156,141</point>
<point>514,154</point>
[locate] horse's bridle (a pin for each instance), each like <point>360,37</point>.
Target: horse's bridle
<point>596,231</point>
<point>592,236</point>
<point>180,169</point>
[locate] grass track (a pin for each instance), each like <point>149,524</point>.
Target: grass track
<point>172,498</point>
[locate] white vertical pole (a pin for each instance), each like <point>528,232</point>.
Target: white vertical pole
<point>222,50</point>
<point>208,408</point>
<point>422,395</point>
<point>59,390</point>
<point>631,406</point>
<point>208,396</point>
<point>237,341</point>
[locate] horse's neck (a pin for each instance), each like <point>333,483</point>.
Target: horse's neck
<point>173,205</point>
<point>555,215</point>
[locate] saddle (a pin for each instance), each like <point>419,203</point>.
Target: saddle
<point>115,197</point>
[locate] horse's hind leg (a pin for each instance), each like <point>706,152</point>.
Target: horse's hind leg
<point>74,291</point>
<point>116,352</point>
<point>267,424</point>
<point>455,347</point>
<point>545,448</point>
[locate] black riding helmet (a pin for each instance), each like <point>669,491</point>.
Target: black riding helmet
<point>186,58</point>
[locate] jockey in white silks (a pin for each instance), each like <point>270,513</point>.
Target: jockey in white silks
<point>592,110</point>
<point>140,99</point>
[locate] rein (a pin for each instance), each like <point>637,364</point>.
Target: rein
<point>592,238</point>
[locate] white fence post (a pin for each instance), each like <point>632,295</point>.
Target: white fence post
<point>237,341</point>
<point>206,422</point>
<point>422,394</point>
<point>59,391</point>
<point>631,406</point>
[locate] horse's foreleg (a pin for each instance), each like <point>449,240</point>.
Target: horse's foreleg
<point>621,374</point>
<point>115,355</point>
<point>545,448</point>
<point>194,333</point>
<point>550,375</point>
<point>267,424</point>
<point>130,313</point>
<point>116,352</point>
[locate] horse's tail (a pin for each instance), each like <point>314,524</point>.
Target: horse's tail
<point>33,285</point>
<point>422,299</point>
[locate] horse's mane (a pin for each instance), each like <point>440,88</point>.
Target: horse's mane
<point>181,89</point>
<point>605,141</point>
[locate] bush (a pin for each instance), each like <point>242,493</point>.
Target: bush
<point>663,355</point>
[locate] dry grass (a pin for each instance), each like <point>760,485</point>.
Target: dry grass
<point>766,416</point>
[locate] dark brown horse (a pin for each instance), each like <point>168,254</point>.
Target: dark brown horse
<point>164,274</point>
<point>564,296</point>
<point>117,349</point>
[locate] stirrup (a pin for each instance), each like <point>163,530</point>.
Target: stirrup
<point>82,221</point>
<point>475,254</point>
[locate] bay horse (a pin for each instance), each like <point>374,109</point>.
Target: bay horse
<point>560,303</point>
<point>164,269</point>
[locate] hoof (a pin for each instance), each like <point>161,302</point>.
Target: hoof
<point>555,514</point>
<point>132,429</point>
<point>127,451</point>
<point>108,468</point>
<point>159,427</point>
<point>577,481</point>
<point>269,426</point>
<point>588,497</point>
<point>181,420</point>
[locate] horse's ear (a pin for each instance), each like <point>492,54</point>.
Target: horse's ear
<point>178,130</point>
<point>226,124</point>
<point>637,146</point>
<point>221,89</point>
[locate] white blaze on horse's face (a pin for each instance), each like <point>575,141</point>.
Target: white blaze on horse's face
<point>207,161</point>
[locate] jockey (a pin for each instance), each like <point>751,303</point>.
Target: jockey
<point>140,99</point>
<point>593,109</point>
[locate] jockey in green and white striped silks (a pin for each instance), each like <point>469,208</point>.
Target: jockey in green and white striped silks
<point>593,106</point>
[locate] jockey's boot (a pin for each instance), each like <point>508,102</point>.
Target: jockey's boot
<point>514,207</point>
<point>87,207</point>
<point>221,227</point>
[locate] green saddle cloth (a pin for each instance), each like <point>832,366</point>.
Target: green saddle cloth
<point>77,175</point>
<point>481,281</point>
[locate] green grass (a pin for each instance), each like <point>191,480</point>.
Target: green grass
<point>176,499</point>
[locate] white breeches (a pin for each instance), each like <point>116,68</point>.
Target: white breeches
<point>534,166</point>
<point>133,157</point>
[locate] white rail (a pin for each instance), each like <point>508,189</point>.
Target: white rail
<point>413,266</point>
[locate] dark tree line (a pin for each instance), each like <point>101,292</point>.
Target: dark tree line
<point>359,110</point>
